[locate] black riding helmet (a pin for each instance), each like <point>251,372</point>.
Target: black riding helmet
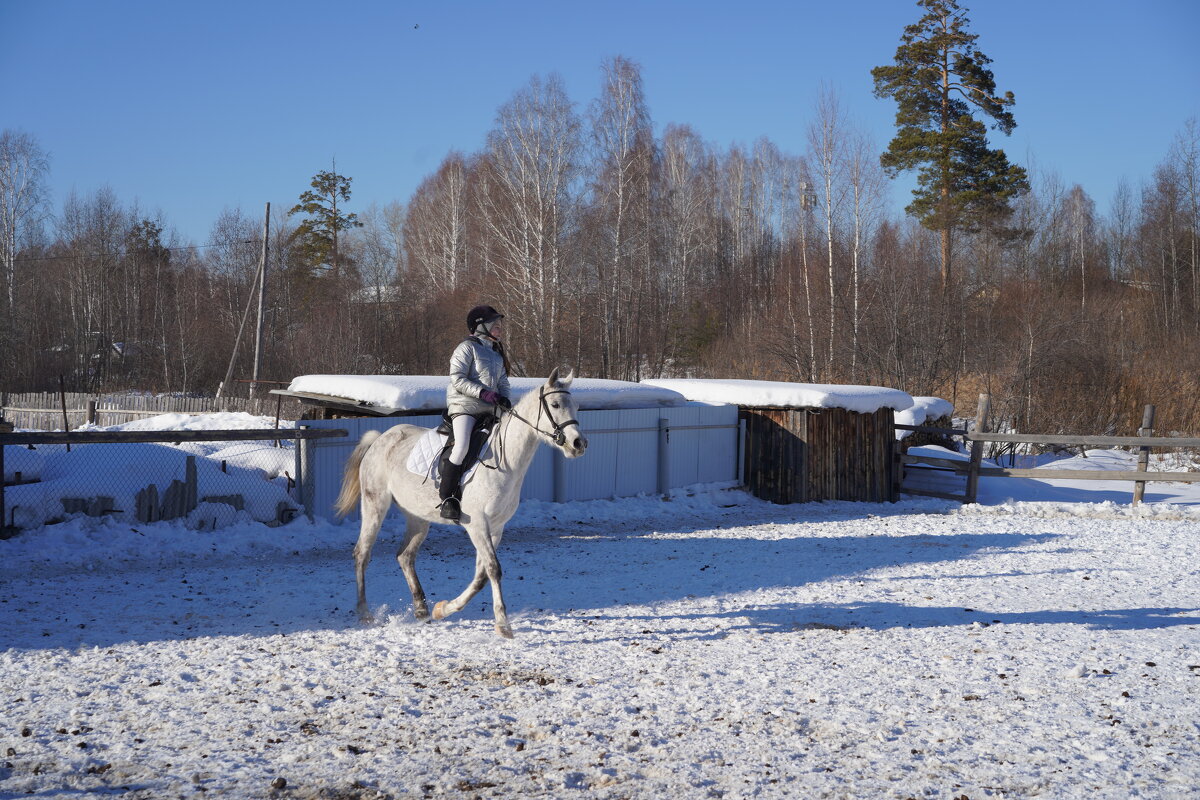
<point>481,315</point>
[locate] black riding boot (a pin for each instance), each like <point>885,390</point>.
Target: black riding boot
<point>449,490</point>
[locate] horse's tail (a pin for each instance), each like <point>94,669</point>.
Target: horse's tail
<point>350,484</point>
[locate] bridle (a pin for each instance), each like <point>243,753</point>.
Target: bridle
<point>558,436</point>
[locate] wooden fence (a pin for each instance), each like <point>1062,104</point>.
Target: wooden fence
<point>45,410</point>
<point>973,468</point>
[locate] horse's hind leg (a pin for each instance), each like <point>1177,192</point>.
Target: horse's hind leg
<point>414,535</point>
<point>374,509</point>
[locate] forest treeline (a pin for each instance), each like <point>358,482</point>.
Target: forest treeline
<point>632,255</point>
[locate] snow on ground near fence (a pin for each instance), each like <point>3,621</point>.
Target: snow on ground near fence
<point>1091,498</point>
<point>428,392</point>
<point>709,646</point>
<point>864,399</point>
<point>257,471</point>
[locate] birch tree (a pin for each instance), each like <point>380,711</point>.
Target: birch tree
<point>525,205</point>
<point>435,227</point>
<point>23,169</point>
<point>623,147</point>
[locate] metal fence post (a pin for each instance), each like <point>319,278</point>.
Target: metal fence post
<point>981,426</point>
<point>1143,462</point>
<point>3,507</point>
<point>664,456</point>
<point>741,452</point>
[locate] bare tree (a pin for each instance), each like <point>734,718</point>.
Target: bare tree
<point>867,188</point>
<point>826,137</point>
<point>525,206</point>
<point>623,149</point>
<point>23,169</point>
<point>435,228</point>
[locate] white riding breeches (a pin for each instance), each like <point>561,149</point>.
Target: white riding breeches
<point>463,425</point>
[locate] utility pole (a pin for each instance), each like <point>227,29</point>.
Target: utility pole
<point>262,295</point>
<point>223,386</point>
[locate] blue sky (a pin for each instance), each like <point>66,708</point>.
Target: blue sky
<point>192,107</point>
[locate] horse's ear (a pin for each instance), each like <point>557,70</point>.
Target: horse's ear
<point>561,377</point>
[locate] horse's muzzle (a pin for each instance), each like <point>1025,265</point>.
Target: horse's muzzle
<point>575,445</point>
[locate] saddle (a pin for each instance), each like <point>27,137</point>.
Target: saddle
<point>484,423</point>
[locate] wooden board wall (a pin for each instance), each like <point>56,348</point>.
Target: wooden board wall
<point>802,455</point>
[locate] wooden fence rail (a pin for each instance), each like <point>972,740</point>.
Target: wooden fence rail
<point>973,468</point>
<point>44,410</point>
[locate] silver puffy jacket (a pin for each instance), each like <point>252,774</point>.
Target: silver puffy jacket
<point>474,367</point>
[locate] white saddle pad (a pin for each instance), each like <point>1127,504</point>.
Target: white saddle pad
<point>425,455</point>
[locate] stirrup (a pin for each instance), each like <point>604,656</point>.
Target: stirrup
<point>450,509</point>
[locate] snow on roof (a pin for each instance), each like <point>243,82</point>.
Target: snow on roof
<point>778,394</point>
<point>428,392</point>
<point>924,409</point>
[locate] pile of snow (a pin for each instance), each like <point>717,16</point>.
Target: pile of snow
<point>779,394</point>
<point>924,409</point>
<point>428,392</point>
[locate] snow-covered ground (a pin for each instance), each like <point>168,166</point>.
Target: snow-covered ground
<point>712,645</point>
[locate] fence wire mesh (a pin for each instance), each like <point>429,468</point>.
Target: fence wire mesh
<point>204,479</point>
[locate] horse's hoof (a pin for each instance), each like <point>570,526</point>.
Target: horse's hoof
<point>366,619</point>
<point>504,631</point>
<point>439,610</point>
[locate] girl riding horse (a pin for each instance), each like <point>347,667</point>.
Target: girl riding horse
<point>478,388</point>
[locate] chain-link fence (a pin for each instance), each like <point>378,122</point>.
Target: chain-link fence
<point>207,479</point>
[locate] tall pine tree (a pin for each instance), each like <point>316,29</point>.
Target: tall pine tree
<point>317,236</point>
<point>938,81</point>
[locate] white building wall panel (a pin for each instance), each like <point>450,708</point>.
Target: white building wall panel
<point>628,450</point>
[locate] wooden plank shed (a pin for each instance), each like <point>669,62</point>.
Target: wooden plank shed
<point>809,442</point>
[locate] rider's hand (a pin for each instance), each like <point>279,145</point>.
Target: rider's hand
<point>490,397</point>
<point>504,402</point>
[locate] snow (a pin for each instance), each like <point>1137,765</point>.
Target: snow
<point>710,645</point>
<point>713,645</point>
<point>428,392</point>
<point>922,410</point>
<point>779,394</point>
<point>1040,496</point>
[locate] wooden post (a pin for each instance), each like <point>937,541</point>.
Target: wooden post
<point>91,412</point>
<point>262,299</point>
<point>981,426</point>
<point>278,409</point>
<point>1143,462</point>
<point>62,396</point>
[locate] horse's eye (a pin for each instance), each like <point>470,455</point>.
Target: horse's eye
<point>555,405</point>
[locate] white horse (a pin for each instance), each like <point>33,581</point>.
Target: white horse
<point>376,471</point>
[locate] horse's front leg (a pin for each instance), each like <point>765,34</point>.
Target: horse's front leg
<point>487,568</point>
<point>415,532</point>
